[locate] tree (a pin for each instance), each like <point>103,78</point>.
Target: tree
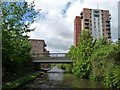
<point>81,62</point>
<point>71,53</point>
<point>101,42</point>
<point>17,18</point>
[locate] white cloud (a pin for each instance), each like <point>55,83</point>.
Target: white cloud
<point>57,29</point>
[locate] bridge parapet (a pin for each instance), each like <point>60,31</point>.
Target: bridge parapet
<point>50,56</point>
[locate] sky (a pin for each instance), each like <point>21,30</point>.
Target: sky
<point>55,23</point>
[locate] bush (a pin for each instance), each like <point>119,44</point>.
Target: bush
<point>105,65</point>
<point>112,77</point>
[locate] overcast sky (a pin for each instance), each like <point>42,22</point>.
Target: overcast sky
<point>55,23</point>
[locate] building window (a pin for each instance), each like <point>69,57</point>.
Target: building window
<point>91,33</point>
<point>90,24</point>
<point>96,15</point>
<point>107,19</point>
<point>94,26</point>
<point>98,23</point>
<point>90,27</point>
<point>102,14</point>
<point>95,11</point>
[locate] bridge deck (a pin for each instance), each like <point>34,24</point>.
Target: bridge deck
<point>52,61</point>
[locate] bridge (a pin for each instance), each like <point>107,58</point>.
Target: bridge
<point>51,58</point>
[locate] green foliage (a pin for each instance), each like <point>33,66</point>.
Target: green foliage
<point>105,65</point>
<point>66,67</point>
<point>98,60</point>
<point>15,45</point>
<point>72,53</point>
<point>112,76</point>
<point>80,55</point>
<point>21,81</point>
<point>99,43</point>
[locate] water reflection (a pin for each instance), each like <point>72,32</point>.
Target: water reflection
<point>55,76</point>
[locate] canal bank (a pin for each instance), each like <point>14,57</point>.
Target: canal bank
<point>21,81</point>
<point>57,79</point>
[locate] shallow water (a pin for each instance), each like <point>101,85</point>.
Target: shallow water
<point>56,78</point>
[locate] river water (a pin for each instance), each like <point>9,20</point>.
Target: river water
<point>56,79</point>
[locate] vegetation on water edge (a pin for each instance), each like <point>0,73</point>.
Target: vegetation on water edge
<point>106,65</point>
<point>66,67</point>
<point>21,81</point>
<point>97,60</point>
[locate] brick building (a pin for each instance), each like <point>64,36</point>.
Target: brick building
<point>96,21</point>
<point>38,47</point>
<point>77,31</point>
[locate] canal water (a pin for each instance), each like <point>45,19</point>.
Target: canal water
<point>56,79</point>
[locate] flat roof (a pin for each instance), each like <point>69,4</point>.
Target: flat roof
<point>36,39</point>
<point>96,9</point>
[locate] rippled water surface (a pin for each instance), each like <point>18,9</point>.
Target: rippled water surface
<point>56,78</point>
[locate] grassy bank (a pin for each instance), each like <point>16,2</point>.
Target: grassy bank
<point>21,81</point>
